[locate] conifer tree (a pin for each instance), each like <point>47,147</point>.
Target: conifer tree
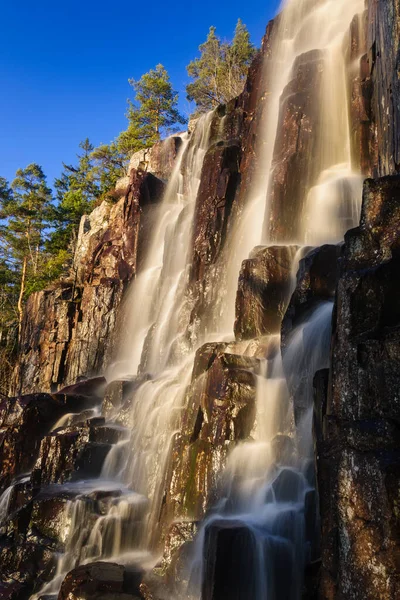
<point>220,71</point>
<point>152,113</point>
<point>76,192</point>
<point>25,214</point>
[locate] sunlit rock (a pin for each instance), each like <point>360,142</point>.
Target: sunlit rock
<point>264,286</point>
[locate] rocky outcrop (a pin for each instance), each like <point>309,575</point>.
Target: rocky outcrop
<point>24,421</point>
<point>159,159</point>
<point>67,331</point>
<point>220,412</point>
<point>358,412</point>
<point>263,292</point>
<point>293,173</point>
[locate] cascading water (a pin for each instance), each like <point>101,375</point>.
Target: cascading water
<point>266,488</point>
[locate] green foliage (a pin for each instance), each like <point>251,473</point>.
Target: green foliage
<point>220,71</point>
<point>151,114</point>
<point>109,164</point>
<point>76,191</point>
<point>155,108</point>
<point>26,212</point>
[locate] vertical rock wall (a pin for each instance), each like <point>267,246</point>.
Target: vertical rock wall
<point>356,403</point>
<point>68,329</point>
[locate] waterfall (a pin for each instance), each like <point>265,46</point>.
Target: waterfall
<point>267,489</point>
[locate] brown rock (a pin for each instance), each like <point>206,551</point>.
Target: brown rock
<point>263,292</point>
<point>298,136</point>
<point>100,580</point>
<point>220,411</point>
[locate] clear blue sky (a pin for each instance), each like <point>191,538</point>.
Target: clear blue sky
<point>64,66</point>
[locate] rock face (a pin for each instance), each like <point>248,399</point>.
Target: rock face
<point>263,291</point>
<point>24,421</point>
<point>159,159</point>
<point>67,331</point>
<point>358,412</point>
<point>219,181</point>
<point>68,334</point>
<point>299,125</point>
<point>383,60</point>
<point>220,411</point>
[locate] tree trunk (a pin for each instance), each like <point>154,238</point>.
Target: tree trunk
<point>21,295</point>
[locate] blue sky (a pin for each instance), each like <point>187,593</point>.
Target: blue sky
<point>64,66</point>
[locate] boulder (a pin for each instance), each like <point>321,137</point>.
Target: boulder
<point>263,292</point>
<point>316,282</point>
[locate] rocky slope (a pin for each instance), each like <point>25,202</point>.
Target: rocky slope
<point>52,435</point>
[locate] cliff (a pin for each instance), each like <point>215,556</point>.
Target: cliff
<point>64,424</point>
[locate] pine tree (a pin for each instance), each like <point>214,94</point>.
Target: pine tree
<point>25,213</point>
<point>220,71</point>
<point>154,111</point>
<point>110,162</point>
<point>76,193</point>
<point>207,74</point>
<point>152,114</point>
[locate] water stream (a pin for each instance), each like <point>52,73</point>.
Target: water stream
<point>267,488</point>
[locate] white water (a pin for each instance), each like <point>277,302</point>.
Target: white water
<point>157,340</point>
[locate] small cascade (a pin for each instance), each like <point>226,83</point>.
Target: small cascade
<point>267,512</point>
<point>132,474</point>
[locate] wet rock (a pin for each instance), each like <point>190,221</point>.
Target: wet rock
<point>74,452</point>
<point>383,56</point>
<point>219,180</point>
<point>264,285</point>
<point>178,550</point>
<point>119,394</point>
<point>59,452</point>
<point>288,486</point>
<point>357,412</point>
<point>220,412</point>
<point>107,434</point>
<point>27,563</point>
<point>283,449</point>
<point>316,282</point>
<point>91,460</point>
<point>306,327</point>
<point>92,388</point>
<point>47,522</point>
<point>360,87</point>
<point>101,580</point>
<point>232,560</point>
<point>376,240</point>
<point>25,420</point>
<point>297,140</point>
<point>13,591</point>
